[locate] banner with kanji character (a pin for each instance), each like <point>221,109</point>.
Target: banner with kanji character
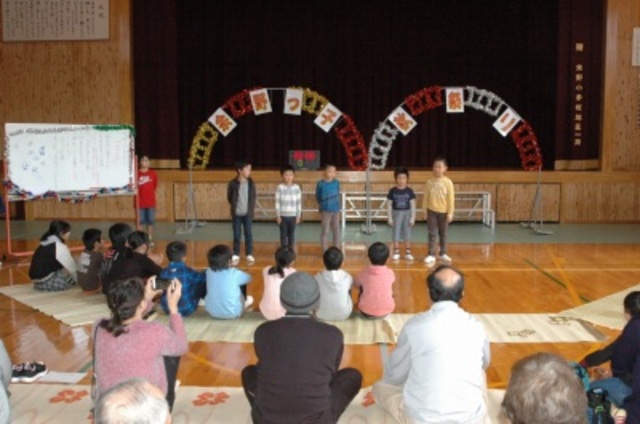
<point>293,101</point>
<point>455,99</point>
<point>402,120</point>
<point>505,123</point>
<point>328,117</point>
<point>260,101</point>
<point>223,122</point>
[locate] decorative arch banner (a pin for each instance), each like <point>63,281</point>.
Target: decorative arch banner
<point>402,120</point>
<point>328,117</point>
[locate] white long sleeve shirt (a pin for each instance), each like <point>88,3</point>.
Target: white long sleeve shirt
<point>440,358</point>
<point>288,200</point>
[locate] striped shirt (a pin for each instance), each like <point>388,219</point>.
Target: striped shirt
<point>288,200</point>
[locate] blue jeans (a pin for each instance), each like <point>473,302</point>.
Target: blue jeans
<point>238,223</point>
<point>615,387</point>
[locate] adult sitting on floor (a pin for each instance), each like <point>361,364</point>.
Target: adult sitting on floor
<point>127,346</point>
<point>543,389</point>
<point>52,266</point>
<point>118,234</point>
<point>297,379</point>
<point>132,401</point>
<point>436,373</point>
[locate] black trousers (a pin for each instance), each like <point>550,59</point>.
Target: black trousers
<point>171,364</point>
<point>344,387</point>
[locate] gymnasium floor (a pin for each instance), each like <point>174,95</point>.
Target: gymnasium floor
<point>509,269</point>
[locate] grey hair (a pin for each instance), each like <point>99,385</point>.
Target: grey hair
<point>134,401</point>
<point>543,388</point>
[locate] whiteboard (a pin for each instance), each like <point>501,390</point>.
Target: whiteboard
<point>44,158</point>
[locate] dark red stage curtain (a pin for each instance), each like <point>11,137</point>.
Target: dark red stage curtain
<point>365,57</point>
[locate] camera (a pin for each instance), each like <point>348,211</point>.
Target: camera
<point>600,406</point>
<point>161,283</point>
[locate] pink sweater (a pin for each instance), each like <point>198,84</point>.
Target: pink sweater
<point>377,290</point>
<point>270,305</point>
<point>138,352</point>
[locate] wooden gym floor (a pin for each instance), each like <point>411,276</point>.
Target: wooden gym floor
<point>533,275</point>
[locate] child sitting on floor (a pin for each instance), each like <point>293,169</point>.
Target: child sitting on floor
<point>225,297</point>
<point>270,305</point>
<point>194,283</point>
<point>90,260</point>
<point>376,283</point>
<point>335,288</point>
<point>52,266</point>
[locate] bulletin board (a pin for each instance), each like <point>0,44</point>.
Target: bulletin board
<point>49,160</point>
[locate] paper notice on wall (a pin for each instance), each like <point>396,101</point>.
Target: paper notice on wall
<point>55,20</point>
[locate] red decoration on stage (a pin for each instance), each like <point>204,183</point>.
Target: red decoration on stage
<point>527,143</point>
<point>240,104</point>
<point>353,142</point>
<point>424,100</point>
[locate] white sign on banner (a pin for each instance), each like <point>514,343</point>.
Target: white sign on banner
<point>328,117</point>
<point>222,121</point>
<point>505,123</point>
<point>402,120</point>
<point>455,99</point>
<point>293,101</point>
<point>260,101</point>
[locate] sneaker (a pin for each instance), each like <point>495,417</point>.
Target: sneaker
<point>408,257</point>
<point>250,259</point>
<point>444,258</point>
<point>248,302</point>
<point>235,260</point>
<point>395,257</point>
<point>430,260</point>
<point>28,372</point>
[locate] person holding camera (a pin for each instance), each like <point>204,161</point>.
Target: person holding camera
<point>127,346</point>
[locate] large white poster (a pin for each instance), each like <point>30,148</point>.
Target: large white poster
<point>45,158</point>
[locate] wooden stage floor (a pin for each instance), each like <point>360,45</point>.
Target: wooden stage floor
<point>500,278</point>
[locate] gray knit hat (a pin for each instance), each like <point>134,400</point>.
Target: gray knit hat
<point>299,293</point>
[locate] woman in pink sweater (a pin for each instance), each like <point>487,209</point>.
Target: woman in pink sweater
<point>127,347</point>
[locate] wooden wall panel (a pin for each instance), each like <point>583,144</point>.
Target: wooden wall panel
<point>621,111</point>
<point>601,202</point>
<point>84,82</point>
<point>514,202</point>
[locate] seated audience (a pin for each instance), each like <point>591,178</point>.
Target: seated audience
<point>296,379</point>
<point>118,235</point>
<point>436,373</point>
<point>52,266</point>
<point>133,261</point>
<point>194,283</point>
<point>140,242</point>
<point>126,346</point>
<point>619,384</point>
<point>132,401</point>
<point>543,389</point>
<point>376,284</point>
<point>90,260</point>
<point>270,305</point>
<point>335,288</point>
<point>225,296</point>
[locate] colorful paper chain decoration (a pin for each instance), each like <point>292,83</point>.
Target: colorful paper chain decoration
<point>14,192</point>
<point>432,97</point>
<point>240,104</point>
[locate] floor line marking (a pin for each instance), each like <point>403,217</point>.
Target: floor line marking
<point>554,279</point>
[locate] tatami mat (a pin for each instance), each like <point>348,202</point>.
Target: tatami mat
<point>55,403</point>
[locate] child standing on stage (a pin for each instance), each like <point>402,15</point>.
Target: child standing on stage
<point>147,184</point>
<point>288,207</point>
<point>402,213</point>
<point>328,197</point>
<point>241,195</point>
<point>439,203</point>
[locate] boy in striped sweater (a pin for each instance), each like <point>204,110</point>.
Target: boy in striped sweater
<point>288,207</point>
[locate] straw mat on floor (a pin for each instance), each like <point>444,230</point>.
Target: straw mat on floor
<point>607,312</point>
<point>55,403</point>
